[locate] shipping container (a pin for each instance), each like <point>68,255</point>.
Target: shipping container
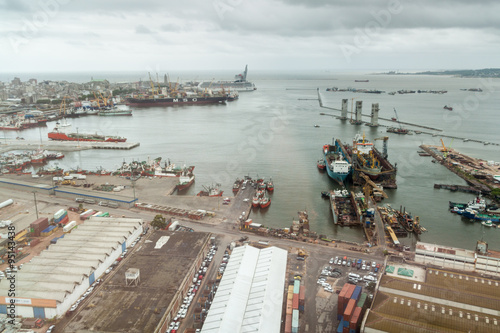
<point>356,293</point>
<point>355,318</point>
<point>349,292</point>
<point>40,224</point>
<point>64,220</point>
<point>352,330</point>
<point>34,242</point>
<point>362,300</point>
<point>288,323</point>
<point>341,300</point>
<point>340,328</point>
<point>61,218</point>
<point>289,306</point>
<point>349,309</point>
<point>59,213</point>
<point>295,319</point>
<point>85,215</point>
<point>345,329</point>
<point>296,287</point>
<point>48,231</point>
<point>302,293</point>
<point>290,292</point>
<point>295,302</point>
<point>301,307</point>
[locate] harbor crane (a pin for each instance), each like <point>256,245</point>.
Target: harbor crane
<point>384,151</point>
<point>373,185</point>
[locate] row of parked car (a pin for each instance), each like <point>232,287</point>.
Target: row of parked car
<point>87,293</point>
<point>358,263</point>
<point>181,314</point>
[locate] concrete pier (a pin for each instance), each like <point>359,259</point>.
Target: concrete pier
<point>14,144</point>
<point>374,118</point>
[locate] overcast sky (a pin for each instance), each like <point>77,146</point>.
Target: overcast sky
<point>157,35</point>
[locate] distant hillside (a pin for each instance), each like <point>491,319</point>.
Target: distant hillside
<point>486,72</point>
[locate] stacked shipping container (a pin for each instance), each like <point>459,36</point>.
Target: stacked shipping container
<point>349,311</point>
<point>61,217</point>
<point>39,225</point>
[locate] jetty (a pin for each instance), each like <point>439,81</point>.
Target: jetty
<point>16,144</point>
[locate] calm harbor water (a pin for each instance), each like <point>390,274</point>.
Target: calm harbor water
<point>270,133</point>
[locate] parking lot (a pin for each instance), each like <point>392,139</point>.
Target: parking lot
<point>324,272</point>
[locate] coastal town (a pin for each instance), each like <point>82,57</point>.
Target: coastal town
<point>83,249</point>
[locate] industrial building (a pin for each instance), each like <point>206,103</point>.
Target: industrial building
<point>50,283</point>
<point>437,300</point>
<point>250,295</point>
<point>481,261</point>
<point>145,291</point>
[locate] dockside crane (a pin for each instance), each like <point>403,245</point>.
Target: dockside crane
<point>384,151</point>
<point>372,184</point>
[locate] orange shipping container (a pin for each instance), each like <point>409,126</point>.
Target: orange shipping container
<point>289,308</point>
<point>288,323</point>
<point>349,309</point>
<point>302,293</point>
<point>356,316</point>
<point>295,302</point>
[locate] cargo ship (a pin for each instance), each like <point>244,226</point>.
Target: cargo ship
<point>240,83</point>
<point>185,181</point>
<point>337,162</point>
<point>57,135</point>
<point>114,112</point>
<point>162,100</point>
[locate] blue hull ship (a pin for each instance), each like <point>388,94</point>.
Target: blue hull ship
<point>337,163</point>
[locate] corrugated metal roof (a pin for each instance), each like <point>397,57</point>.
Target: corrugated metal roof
<point>55,272</point>
<point>250,295</point>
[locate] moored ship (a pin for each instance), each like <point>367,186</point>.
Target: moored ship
<point>183,99</point>
<point>114,112</point>
<point>56,134</point>
<point>185,180</point>
<point>345,211</point>
<point>211,191</point>
<point>337,162</point>
<point>240,83</point>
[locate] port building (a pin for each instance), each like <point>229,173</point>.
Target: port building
<point>250,294</point>
<point>50,283</point>
<point>145,291</point>
<point>437,300</point>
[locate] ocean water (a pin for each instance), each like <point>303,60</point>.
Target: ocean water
<point>270,132</point>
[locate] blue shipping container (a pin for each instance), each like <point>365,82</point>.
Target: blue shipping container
<point>356,293</point>
<point>346,323</point>
<point>49,229</point>
<point>339,317</point>
<point>340,328</point>
<point>352,331</point>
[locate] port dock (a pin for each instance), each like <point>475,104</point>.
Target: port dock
<point>15,144</point>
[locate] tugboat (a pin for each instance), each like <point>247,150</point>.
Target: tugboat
<point>321,164</point>
<point>265,201</point>
<point>270,186</point>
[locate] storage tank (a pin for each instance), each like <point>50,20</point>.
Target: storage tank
<point>6,203</point>
<point>69,226</point>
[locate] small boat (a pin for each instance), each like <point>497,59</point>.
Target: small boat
<point>488,223</point>
<point>325,194</point>
<point>446,107</point>
<point>265,202</point>
<point>270,186</point>
<point>237,185</point>
<point>255,201</point>
<point>321,164</point>
<point>316,126</point>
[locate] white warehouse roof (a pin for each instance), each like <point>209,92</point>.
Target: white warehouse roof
<point>250,295</point>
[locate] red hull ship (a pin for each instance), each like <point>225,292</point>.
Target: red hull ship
<point>58,135</point>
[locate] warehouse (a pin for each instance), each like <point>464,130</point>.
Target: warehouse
<point>146,290</point>
<point>250,294</point>
<point>49,284</point>
<point>445,302</point>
